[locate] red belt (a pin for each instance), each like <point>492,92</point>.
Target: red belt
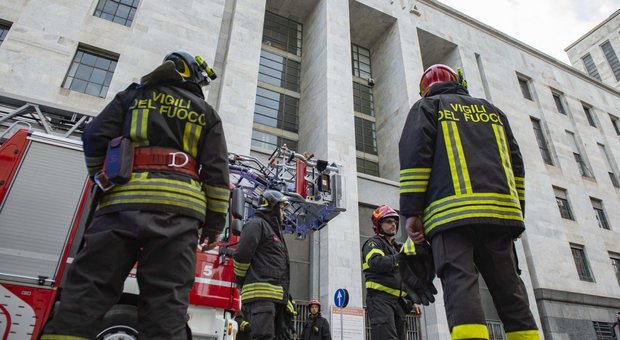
<point>164,159</point>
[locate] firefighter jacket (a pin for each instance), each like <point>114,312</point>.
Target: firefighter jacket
<point>460,163</point>
<point>380,266</point>
<point>316,328</point>
<point>262,268</point>
<point>168,113</point>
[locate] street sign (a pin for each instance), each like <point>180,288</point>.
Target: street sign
<point>341,298</point>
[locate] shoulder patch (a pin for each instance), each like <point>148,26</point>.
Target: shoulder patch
<point>372,244</point>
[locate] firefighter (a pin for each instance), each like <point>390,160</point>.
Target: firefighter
<point>316,326</point>
<point>462,188</point>
<point>262,270</point>
<point>244,328</point>
<point>178,184</point>
<point>386,302</point>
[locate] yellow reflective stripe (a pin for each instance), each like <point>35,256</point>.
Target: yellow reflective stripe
<point>531,334</point>
<point>498,215</point>
<point>372,252</point>
<point>261,289</point>
<point>242,265</point>
<point>365,266</point>
<point>291,307</point>
<point>413,186</point>
<point>461,154</point>
<point>451,158</point>
<point>386,289</point>
<point>470,331</point>
<point>218,193</point>
<point>155,188</point>
<point>150,201</point>
<point>415,171</point>
<point>409,247</point>
<point>454,201</point>
<point>262,294</point>
<point>139,126</point>
<point>520,184</point>
<point>191,135</point>
<point>500,138</point>
<point>217,206</point>
<point>241,268</point>
<point>261,285</point>
<point>61,337</point>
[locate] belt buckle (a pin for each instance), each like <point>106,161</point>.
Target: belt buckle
<point>173,161</point>
<point>102,181</point>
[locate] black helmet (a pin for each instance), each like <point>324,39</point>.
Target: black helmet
<point>270,199</point>
<point>194,69</point>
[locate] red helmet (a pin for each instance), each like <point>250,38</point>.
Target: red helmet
<point>437,73</point>
<point>314,301</point>
<point>380,213</point>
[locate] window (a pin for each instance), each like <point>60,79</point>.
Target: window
<point>362,99</point>
<point>365,136</point>
<point>612,58</point>
<point>367,167</point>
<point>589,114</point>
<point>282,33</point>
<point>118,11</point>
<point>90,72</point>
<point>4,30</point>
<point>361,61</point>
<point>615,263</point>
<point>276,110</point>
<point>279,71</point>
<point>542,143</point>
<point>557,98</point>
<point>610,168</point>
<point>603,330</point>
<point>563,206</point>
<point>600,213</point>
<point>581,163</point>
<point>269,142</point>
<point>590,67</point>
<point>616,123</point>
<point>581,262</point>
<point>525,88</point>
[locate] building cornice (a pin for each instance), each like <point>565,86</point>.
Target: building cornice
<point>615,14</point>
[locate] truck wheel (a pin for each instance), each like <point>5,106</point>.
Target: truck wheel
<point>120,323</point>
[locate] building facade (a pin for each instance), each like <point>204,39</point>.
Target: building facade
<point>337,78</point>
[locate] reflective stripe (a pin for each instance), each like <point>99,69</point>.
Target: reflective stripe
<point>191,135</point>
<point>458,168</point>
<point>365,266</point>
<point>409,247</point>
<point>261,290</point>
<point>480,211</point>
<point>372,252</point>
<point>473,199</point>
<point>212,282</point>
<point>500,137</point>
<point>61,337</point>
<point>523,335</point>
<point>218,193</point>
<point>413,186</point>
<point>415,172</point>
<point>470,331</point>
<point>386,289</point>
<point>520,184</point>
<point>218,206</point>
<point>241,268</point>
<point>414,179</point>
<point>94,164</point>
<point>291,307</point>
<point>139,124</point>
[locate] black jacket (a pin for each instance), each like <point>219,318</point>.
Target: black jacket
<point>166,113</point>
<point>380,266</point>
<point>262,265</point>
<point>460,163</point>
<point>316,328</point>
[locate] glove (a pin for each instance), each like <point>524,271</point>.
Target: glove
<point>210,235</point>
<point>406,304</point>
<point>418,272</point>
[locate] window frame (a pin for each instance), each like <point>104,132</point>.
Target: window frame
<point>589,113</point>
<point>524,84</point>
<point>356,61</point>
<point>566,212</point>
<point>124,20</point>
<point>612,58</point>
<point>583,267</point>
<point>5,27</point>
<point>77,66</point>
<point>615,262</point>
<point>558,98</point>
<point>543,145</point>
<point>615,122</point>
<point>279,32</point>
<point>599,212</point>
<point>590,66</point>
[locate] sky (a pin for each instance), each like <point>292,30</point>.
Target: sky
<point>547,25</point>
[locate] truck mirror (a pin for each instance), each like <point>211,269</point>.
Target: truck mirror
<point>236,227</point>
<point>237,206</point>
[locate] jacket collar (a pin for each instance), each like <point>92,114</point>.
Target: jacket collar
<point>447,88</point>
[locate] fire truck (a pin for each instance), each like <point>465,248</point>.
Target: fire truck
<point>46,198</point>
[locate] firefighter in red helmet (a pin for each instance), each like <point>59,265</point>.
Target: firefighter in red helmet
<point>316,326</point>
<point>462,188</point>
<point>386,302</point>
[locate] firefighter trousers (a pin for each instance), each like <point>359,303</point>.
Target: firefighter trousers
<point>387,318</point>
<point>459,254</point>
<point>162,243</point>
<point>267,319</point>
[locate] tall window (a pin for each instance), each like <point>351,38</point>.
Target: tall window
<point>612,58</point>
<point>610,167</point>
<point>615,263</point>
<point>597,205</point>
<point>90,72</point>
<point>276,111</point>
<point>4,30</point>
<point>590,67</point>
<point>542,142</point>
<point>616,123</point>
<point>364,111</point>
<point>581,162</point>
<point>587,110</point>
<point>563,205</point>
<point>581,262</point>
<point>559,104</point>
<point>525,88</point>
<point>118,11</point>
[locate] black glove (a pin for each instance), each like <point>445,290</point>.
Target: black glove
<point>406,304</point>
<point>418,272</point>
<point>210,235</point>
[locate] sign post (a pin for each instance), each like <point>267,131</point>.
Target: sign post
<point>341,300</point>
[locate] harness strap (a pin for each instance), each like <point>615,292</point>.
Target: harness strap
<point>164,159</point>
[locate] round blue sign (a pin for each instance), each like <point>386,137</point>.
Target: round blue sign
<point>341,298</point>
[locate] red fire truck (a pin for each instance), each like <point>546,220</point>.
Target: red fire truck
<point>45,200</point>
